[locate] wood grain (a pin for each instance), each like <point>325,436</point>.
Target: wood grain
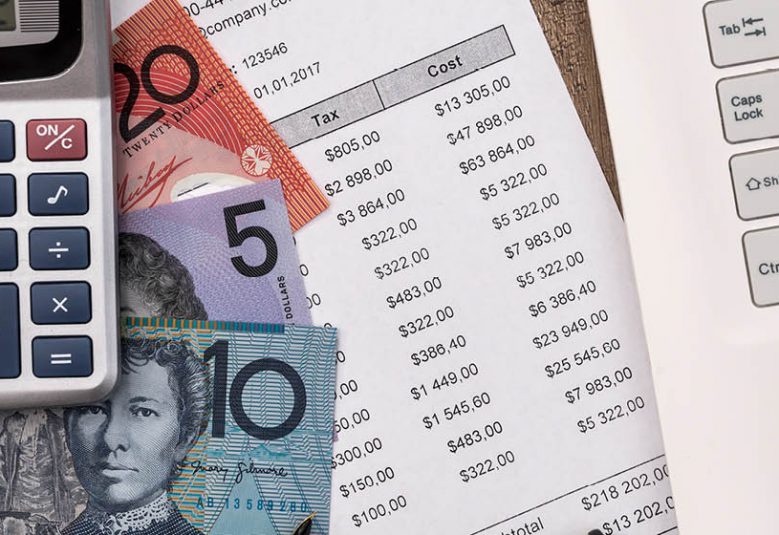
<point>566,24</point>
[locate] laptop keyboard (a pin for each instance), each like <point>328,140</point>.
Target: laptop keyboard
<point>746,32</point>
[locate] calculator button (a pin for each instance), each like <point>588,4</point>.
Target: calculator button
<point>8,254</point>
<point>59,248</point>
<point>7,195</point>
<point>61,303</point>
<point>10,357</point>
<point>58,194</point>
<point>756,183</point>
<point>62,357</point>
<point>750,106</point>
<point>7,142</point>
<point>50,139</point>
<point>742,32</point>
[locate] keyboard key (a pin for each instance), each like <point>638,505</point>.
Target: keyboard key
<point>59,248</point>
<point>7,195</point>
<point>750,106</point>
<point>761,248</point>
<point>8,254</point>
<point>62,357</point>
<point>58,194</point>
<point>61,303</point>
<point>7,142</point>
<point>10,355</point>
<point>741,32</point>
<point>756,183</point>
<point>60,139</point>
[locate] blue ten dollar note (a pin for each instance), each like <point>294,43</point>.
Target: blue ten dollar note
<point>215,428</point>
<point>227,256</point>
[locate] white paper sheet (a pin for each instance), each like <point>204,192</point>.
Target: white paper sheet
<point>430,125</point>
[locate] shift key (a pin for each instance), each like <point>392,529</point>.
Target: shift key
<point>10,358</point>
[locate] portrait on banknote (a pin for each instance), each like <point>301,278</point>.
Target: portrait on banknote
<point>154,282</point>
<point>127,449</point>
<point>105,468</point>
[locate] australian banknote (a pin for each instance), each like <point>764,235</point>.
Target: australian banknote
<point>184,122</point>
<point>226,256</point>
<point>215,428</point>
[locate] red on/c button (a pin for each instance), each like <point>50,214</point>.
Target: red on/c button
<point>56,139</point>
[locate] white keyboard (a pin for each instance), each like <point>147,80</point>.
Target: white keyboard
<point>747,33</point>
<point>692,95</point>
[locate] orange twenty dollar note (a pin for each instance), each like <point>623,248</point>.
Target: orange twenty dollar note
<point>185,124</point>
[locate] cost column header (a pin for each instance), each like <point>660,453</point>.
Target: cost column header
<point>445,66</point>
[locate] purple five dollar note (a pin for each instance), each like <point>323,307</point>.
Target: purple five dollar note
<point>227,256</point>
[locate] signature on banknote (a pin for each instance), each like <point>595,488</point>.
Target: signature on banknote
<point>241,469</point>
<point>154,181</point>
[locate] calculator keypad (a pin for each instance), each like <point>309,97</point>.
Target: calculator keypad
<point>52,303</point>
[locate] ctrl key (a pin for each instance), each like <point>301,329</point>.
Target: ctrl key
<point>10,356</point>
<point>761,248</point>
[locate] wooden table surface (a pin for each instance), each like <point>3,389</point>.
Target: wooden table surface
<point>566,24</point>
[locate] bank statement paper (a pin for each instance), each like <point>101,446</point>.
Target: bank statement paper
<point>493,375</point>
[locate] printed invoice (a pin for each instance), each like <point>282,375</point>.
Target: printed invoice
<point>493,375</point>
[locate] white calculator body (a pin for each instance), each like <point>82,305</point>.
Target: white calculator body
<point>58,297</point>
<point>692,95</point>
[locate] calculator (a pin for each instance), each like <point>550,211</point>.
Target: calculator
<point>692,95</point>
<point>58,287</point>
